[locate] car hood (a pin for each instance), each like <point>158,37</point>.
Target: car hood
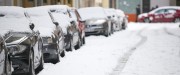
<point>95,22</point>
<point>143,15</point>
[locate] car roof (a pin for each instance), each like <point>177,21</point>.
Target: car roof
<point>13,19</point>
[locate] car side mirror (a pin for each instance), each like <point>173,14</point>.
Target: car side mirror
<point>109,17</point>
<point>31,26</point>
<point>56,23</point>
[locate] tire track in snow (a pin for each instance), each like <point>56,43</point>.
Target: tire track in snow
<point>123,60</point>
<point>169,33</point>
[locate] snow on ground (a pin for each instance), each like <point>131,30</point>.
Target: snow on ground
<point>159,54</point>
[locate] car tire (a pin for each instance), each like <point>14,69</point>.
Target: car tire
<point>78,45</point>
<point>84,40</point>
<point>63,54</point>
<point>177,20</point>
<point>123,26</point>
<point>8,66</point>
<point>146,20</point>
<point>31,64</point>
<point>70,46</point>
<point>41,66</point>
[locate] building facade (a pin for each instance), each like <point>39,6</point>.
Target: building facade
<point>129,6</point>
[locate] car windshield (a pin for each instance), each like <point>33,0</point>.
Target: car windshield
<point>15,36</point>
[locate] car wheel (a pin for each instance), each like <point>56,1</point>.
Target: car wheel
<point>63,53</point>
<point>177,20</point>
<point>41,66</point>
<point>8,67</point>
<point>31,64</point>
<point>78,44</point>
<point>84,41</point>
<point>123,26</point>
<point>146,20</point>
<point>70,46</point>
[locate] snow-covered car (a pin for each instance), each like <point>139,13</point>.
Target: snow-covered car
<point>113,17</point>
<point>50,31</point>
<point>70,29</point>
<point>161,14</point>
<point>96,21</point>
<point>22,40</point>
<point>80,24</point>
<point>5,62</point>
<point>123,19</point>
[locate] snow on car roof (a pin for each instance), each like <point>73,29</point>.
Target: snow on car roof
<point>57,8</point>
<point>110,12</point>
<point>165,7</point>
<point>91,13</point>
<point>13,19</point>
<point>42,20</point>
<point>63,21</point>
<point>120,12</point>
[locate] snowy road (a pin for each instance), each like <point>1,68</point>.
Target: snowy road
<point>142,49</point>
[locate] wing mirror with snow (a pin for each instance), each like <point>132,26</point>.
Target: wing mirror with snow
<point>56,23</point>
<point>31,26</point>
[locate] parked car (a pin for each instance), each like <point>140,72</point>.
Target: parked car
<point>161,14</point>
<point>96,21</point>
<point>71,33</point>
<point>22,40</point>
<point>51,33</point>
<point>5,62</point>
<point>80,24</point>
<point>122,19</point>
<point>112,15</point>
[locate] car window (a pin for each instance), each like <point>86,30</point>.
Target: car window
<point>170,11</point>
<point>160,11</point>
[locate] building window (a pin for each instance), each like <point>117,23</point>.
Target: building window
<point>30,0</point>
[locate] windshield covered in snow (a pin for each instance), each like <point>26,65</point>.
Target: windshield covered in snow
<point>91,13</point>
<point>16,37</point>
<point>42,20</point>
<point>13,18</point>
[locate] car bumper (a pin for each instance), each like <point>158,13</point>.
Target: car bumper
<point>50,52</point>
<point>91,31</point>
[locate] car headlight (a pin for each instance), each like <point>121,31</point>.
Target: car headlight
<point>151,18</point>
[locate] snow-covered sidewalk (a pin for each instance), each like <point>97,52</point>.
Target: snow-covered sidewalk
<point>149,49</point>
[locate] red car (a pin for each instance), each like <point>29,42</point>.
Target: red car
<point>161,14</point>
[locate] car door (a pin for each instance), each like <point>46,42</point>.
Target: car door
<point>36,43</point>
<point>169,15</point>
<point>2,58</point>
<point>60,35</point>
<point>159,15</point>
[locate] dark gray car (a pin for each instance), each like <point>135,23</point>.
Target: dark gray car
<point>22,40</point>
<point>51,33</point>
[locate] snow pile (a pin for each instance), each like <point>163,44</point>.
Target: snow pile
<point>120,13</point>
<point>159,55</point>
<point>13,20</point>
<point>92,13</point>
<point>42,20</point>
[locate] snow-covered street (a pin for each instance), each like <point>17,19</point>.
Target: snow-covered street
<point>141,49</point>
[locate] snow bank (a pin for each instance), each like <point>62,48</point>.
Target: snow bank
<point>92,13</point>
<point>13,19</point>
<point>42,20</point>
